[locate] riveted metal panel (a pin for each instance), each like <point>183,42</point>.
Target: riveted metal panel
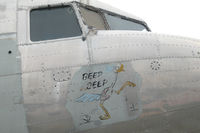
<point>169,70</point>
<point>55,54</point>
<point>123,45</point>
<point>47,70</point>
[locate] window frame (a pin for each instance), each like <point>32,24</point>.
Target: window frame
<point>59,39</point>
<point>126,18</point>
<point>102,12</point>
<point>91,8</point>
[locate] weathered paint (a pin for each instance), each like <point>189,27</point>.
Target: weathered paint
<point>102,92</point>
<point>163,73</point>
<point>57,98</point>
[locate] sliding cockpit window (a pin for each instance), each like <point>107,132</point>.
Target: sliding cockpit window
<point>53,23</point>
<point>93,18</point>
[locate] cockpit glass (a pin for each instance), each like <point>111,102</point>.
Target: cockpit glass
<point>53,23</point>
<point>93,18</point>
<point>118,23</point>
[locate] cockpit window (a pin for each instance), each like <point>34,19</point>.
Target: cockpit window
<point>93,18</point>
<point>53,23</point>
<point>118,23</point>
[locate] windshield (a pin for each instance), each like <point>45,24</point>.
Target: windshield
<point>93,18</point>
<point>100,20</point>
<point>118,23</point>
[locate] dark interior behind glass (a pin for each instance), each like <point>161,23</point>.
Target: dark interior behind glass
<point>53,23</point>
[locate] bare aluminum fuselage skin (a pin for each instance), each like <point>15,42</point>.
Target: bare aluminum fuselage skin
<point>114,81</point>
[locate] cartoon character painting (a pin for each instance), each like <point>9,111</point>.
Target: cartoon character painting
<point>98,94</point>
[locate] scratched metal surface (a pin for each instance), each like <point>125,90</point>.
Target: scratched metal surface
<point>47,69</point>
<point>115,81</point>
<point>70,88</point>
<point>169,89</point>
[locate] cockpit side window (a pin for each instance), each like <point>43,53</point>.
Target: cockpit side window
<point>93,18</point>
<point>53,23</point>
<point>119,23</point>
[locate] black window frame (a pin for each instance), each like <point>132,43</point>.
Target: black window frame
<point>50,7</point>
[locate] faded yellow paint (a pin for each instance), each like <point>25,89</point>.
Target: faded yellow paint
<point>121,68</point>
<point>106,116</point>
<point>128,83</point>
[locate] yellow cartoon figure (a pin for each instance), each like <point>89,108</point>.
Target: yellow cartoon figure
<point>107,92</point>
